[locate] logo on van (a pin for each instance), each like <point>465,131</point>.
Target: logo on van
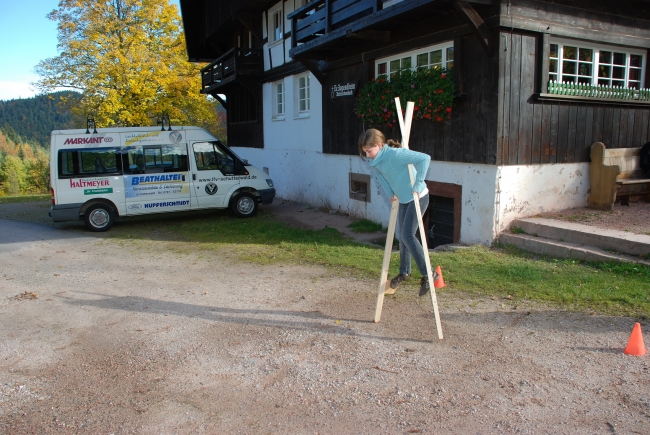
<point>175,136</point>
<point>89,183</point>
<point>135,206</point>
<point>211,188</point>
<point>85,140</point>
<point>150,179</point>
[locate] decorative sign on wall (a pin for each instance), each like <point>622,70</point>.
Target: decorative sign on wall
<point>344,90</point>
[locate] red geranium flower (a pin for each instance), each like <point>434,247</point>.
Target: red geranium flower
<point>442,76</point>
<point>438,118</point>
<point>416,108</point>
<point>426,115</point>
<point>448,109</point>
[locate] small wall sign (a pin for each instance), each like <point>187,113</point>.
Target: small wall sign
<point>344,90</point>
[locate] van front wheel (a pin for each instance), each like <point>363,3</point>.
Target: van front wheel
<point>244,205</point>
<point>99,217</point>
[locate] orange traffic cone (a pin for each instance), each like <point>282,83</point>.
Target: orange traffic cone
<point>438,282</point>
<point>635,346</point>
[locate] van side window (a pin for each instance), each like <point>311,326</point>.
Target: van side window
<point>89,162</point>
<point>210,156</point>
<point>155,159</point>
<point>174,158</point>
<point>133,160</point>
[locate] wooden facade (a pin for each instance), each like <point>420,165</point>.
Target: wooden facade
<point>534,131</point>
<point>502,114</point>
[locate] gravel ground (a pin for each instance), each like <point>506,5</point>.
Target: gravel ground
<point>132,338</point>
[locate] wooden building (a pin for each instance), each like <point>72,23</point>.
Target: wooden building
<point>537,82</point>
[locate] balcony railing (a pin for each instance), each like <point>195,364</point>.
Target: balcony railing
<point>597,91</point>
<point>320,17</point>
<point>236,64</point>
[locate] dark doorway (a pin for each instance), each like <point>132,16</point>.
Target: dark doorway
<point>441,221</point>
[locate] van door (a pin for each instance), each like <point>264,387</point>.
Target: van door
<point>155,178</point>
<point>214,174</point>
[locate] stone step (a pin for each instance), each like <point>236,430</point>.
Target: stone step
<point>564,249</point>
<point>610,240</point>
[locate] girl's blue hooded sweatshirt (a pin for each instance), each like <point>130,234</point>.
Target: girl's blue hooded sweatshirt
<point>391,165</point>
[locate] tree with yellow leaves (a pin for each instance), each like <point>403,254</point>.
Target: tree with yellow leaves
<point>127,58</point>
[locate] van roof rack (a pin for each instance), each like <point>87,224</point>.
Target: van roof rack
<point>90,123</point>
<point>161,121</point>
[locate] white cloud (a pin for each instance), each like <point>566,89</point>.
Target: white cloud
<point>10,90</point>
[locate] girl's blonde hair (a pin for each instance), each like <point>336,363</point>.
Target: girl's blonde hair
<point>372,137</point>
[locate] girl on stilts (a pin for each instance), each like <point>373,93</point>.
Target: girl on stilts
<point>390,162</point>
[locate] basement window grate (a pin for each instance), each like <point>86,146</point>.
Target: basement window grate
<point>360,187</point>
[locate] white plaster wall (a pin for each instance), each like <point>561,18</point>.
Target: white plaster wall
<point>533,189</point>
<point>306,175</point>
<point>302,173</point>
<point>478,210</point>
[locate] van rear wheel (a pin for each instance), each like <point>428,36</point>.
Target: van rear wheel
<point>244,205</point>
<point>99,218</point>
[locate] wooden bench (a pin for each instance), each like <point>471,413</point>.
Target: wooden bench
<point>615,175</point>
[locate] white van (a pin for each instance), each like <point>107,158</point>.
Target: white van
<point>97,176</point>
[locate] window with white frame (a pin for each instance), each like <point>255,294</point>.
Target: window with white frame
<point>302,93</point>
<point>595,64</point>
<point>278,100</point>
<point>275,25</point>
<point>436,56</point>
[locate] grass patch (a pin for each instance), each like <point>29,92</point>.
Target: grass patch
<point>365,226</point>
<point>499,271</point>
<point>615,289</point>
<point>517,230</point>
<point>23,198</point>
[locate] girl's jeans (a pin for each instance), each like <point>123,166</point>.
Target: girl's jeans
<point>409,245</point>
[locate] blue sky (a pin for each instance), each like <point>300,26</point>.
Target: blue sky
<point>27,37</point>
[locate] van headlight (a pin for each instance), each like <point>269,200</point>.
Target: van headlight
<point>269,182</point>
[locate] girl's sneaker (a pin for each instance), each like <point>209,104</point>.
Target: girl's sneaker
<point>395,282</point>
<point>424,286</point>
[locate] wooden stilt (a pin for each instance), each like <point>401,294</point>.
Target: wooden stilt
<point>383,281</point>
<point>405,127</point>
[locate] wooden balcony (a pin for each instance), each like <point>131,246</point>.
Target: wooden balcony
<point>326,24</point>
<point>237,65</point>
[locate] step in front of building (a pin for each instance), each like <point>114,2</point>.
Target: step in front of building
<point>563,249</point>
<point>626,243</point>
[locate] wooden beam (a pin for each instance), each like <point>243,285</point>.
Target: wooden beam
<point>369,35</point>
<point>251,85</point>
<point>250,28</point>
<point>312,66</point>
<point>544,47</point>
<point>220,100</point>
<point>567,30</point>
<point>476,22</point>
<point>422,41</point>
<point>216,48</point>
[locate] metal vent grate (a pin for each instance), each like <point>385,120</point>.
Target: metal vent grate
<point>360,187</point>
